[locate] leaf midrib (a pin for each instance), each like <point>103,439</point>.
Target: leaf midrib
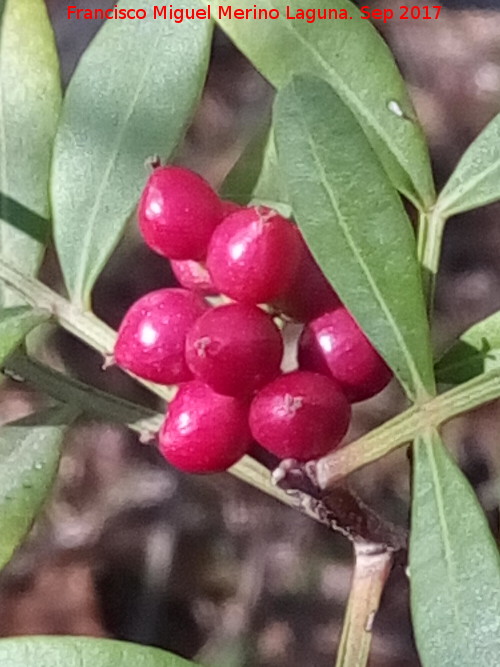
<point>448,552</point>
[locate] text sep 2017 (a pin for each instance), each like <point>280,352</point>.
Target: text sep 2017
<point>310,15</point>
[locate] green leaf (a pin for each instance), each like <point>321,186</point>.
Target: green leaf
<point>30,98</point>
<point>355,60</point>
<point>114,117</point>
<point>262,183</point>
<point>82,652</point>
<point>20,217</point>
<point>2,7</point>
<point>476,179</point>
<point>270,188</point>
<point>454,565</point>
<point>29,458</point>
<point>476,351</point>
<point>239,184</point>
<point>355,225</point>
<point>256,179</point>
<point>15,324</point>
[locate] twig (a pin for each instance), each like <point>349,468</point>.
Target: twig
<point>328,470</point>
<point>431,226</point>
<point>340,509</point>
<point>371,570</point>
<point>404,428</point>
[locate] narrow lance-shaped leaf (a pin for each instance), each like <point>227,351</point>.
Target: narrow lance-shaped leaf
<point>20,217</point>
<point>83,652</point>
<point>354,59</point>
<point>30,98</point>
<point>15,325</point>
<point>476,351</point>
<point>355,225</point>
<point>476,179</point>
<point>29,458</point>
<point>454,565</point>
<point>270,189</point>
<point>256,177</point>
<point>241,179</point>
<point>114,117</point>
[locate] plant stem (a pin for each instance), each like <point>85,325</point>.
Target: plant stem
<point>403,428</point>
<point>430,236</point>
<point>138,418</point>
<point>341,510</point>
<point>88,399</point>
<point>371,569</point>
<point>396,432</point>
<point>82,324</point>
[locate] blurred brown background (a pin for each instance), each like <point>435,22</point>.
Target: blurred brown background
<point>208,567</point>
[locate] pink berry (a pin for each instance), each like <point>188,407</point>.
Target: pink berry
<point>204,431</point>
<point>178,212</point>
<point>193,276</point>
<point>335,345</point>
<point>310,294</point>
<point>235,349</point>
<point>152,335</point>
<point>300,415</point>
<point>253,255</point>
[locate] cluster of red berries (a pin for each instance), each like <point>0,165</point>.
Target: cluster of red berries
<point>227,359</point>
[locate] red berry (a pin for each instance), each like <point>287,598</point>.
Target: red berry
<point>300,415</point>
<point>229,207</point>
<point>193,276</point>
<point>253,255</point>
<point>204,431</point>
<point>235,349</point>
<point>178,212</point>
<point>335,345</point>
<point>152,335</point>
<point>310,294</point>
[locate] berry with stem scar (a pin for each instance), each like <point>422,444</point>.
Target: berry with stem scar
<point>300,415</point>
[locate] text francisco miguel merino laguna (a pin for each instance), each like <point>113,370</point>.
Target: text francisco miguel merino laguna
<point>177,14</point>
